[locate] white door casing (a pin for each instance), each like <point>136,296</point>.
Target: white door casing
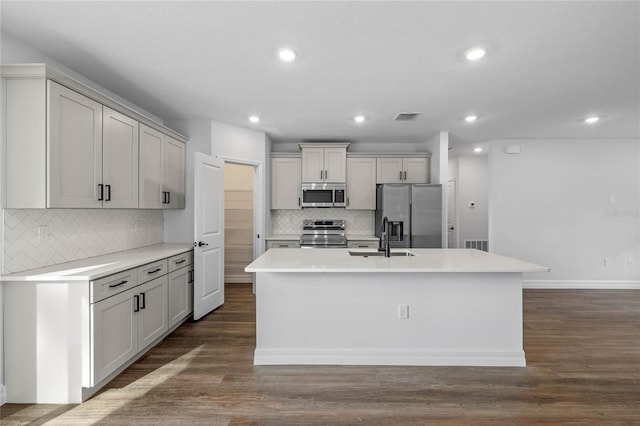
<point>208,290</point>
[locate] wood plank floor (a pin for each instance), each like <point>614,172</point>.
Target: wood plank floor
<point>583,354</point>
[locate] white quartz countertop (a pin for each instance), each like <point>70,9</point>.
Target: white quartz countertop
<point>425,260</point>
<point>100,266</point>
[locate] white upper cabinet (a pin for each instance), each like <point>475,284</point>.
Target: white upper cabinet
<point>324,163</point>
<point>162,170</point>
<point>69,146</point>
<point>75,149</point>
<point>285,183</point>
<point>361,183</point>
<point>403,170</point>
<point>119,160</point>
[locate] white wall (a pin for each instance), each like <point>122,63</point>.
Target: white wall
<point>550,205</point>
<point>178,224</point>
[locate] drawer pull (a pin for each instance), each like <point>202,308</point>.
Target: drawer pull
<point>283,245</point>
<point>363,246</point>
<point>119,284</point>
<point>180,261</point>
<point>154,271</point>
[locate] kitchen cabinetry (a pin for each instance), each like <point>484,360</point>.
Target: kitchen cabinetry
<point>162,170</point>
<point>285,183</point>
<point>324,163</point>
<point>128,322</point>
<point>361,183</point>
<point>283,243</point>
<point>402,170</point>
<point>363,243</point>
<point>89,330</point>
<point>70,146</point>
<point>180,287</point>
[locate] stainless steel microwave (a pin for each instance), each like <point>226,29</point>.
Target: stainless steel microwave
<point>324,195</point>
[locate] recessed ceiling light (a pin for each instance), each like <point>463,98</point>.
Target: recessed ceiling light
<point>254,118</point>
<point>287,55</point>
<point>478,149</point>
<point>358,118</point>
<point>591,120</point>
<point>475,53</point>
<point>470,118</point>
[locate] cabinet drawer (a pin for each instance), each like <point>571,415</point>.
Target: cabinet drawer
<point>362,244</point>
<point>180,260</point>
<point>113,284</point>
<point>152,270</point>
<point>283,244</point>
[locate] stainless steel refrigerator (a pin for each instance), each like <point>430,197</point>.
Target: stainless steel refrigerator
<point>414,212</point>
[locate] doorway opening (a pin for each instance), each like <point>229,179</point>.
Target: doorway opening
<point>238,222</point>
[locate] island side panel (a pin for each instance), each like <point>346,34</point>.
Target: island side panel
<point>353,318</point>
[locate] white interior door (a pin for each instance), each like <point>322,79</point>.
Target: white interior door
<point>452,221</point>
<point>208,288</point>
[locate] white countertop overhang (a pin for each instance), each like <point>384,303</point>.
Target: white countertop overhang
<point>100,266</point>
<point>424,260</point>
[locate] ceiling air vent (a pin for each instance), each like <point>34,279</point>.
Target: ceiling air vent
<point>407,116</point>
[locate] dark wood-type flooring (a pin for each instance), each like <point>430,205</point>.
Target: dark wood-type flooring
<point>583,355</point>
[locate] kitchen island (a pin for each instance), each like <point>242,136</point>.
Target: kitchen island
<point>434,307</point>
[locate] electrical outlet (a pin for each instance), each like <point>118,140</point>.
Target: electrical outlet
<point>606,261</point>
<point>403,311</point>
<point>43,233</point>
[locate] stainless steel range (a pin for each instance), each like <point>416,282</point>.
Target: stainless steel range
<point>323,233</point>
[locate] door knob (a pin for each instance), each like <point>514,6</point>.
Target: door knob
<point>200,244</point>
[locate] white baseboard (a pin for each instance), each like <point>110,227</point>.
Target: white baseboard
<point>581,284</point>
<point>3,395</point>
<point>514,358</point>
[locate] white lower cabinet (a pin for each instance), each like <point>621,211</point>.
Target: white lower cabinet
<point>81,333</point>
<point>126,324</point>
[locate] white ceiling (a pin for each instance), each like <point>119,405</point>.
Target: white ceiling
<point>549,64</point>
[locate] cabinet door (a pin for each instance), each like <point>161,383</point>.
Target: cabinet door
<point>335,165</point>
<point>119,160</point>
<point>179,294</point>
<point>115,334</point>
<point>152,318</point>
<point>74,143</point>
<point>313,165</point>
<point>174,164</point>
<point>416,170</point>
<point>285,184</point>
<point>361,183</point>
<point>150,173</point>
<point>389,170</point>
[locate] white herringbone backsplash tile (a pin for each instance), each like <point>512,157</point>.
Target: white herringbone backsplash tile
<point>35,238</point>
<point>357,222</point>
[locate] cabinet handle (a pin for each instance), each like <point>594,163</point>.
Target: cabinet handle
<point>347,201</point>
<point>142,304</point>
<point>108,187</point>
<point>168,197</point>
<point>326,174</point>
<point>119,284</point>
<point>190,279</point>
<point>405,175</point>
<point>320,174</point>
<point>101,189</point>
<point>298,200</point>
<point>180,261</point>
<point>136,300</point>
<point>154,271</point>
<point>401,175</point>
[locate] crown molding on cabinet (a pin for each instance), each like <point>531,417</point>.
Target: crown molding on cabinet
<point>45,71</point>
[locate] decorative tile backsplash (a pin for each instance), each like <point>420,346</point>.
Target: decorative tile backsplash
<point>35,238</point>
<point>357,222</point>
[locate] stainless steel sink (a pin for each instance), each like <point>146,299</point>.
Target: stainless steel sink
<point>380,253</point>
